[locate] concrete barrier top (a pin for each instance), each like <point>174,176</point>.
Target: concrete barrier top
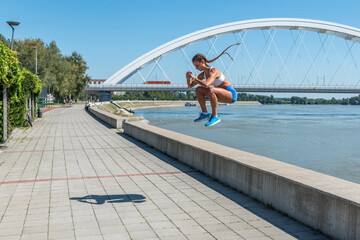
<point>110,115</point>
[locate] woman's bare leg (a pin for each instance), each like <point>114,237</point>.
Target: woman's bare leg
<point>201,92</point>
<point>213,102</point>
<point>218,95</point>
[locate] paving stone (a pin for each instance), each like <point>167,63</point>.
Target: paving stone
<point>32,236</point>
<point>202,236</point>
<point>116,236</point>
<point>10,231</point>
<point>61,234</point>
<point>250,233</point>
<point>161,225</point>
<point>37,229</point>
<point>192,230</point>
<point>178,237</point>
<point>147,234</point>
<point>10,237</point>
<point>225,235</point>
<point>167,232</point>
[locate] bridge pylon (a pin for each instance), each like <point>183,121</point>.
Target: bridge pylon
<point>105,96</point>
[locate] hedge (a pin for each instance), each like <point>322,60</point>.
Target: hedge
<point>20,83</point>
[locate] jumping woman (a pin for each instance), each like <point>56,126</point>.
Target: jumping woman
<point>222,90</point>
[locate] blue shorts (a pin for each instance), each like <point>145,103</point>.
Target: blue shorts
<point>233,93</point>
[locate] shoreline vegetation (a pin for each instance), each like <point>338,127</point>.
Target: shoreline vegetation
<point>140,100</point>
<point>242,97</point>
<point>135,105</point>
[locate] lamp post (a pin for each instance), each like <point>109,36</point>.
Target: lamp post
<point>31,95</point>
<point>11,24</point>
<point>36,72</point>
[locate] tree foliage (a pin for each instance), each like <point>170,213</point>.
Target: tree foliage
<point>64,76</point>
<point>19,83</point>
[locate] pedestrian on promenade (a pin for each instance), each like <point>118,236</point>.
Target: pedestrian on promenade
<point>28,118</point>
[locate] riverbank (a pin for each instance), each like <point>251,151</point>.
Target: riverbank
<point>134,105</point>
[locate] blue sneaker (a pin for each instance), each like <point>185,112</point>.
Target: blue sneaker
<point>202,117</point>
<point>212,121</point>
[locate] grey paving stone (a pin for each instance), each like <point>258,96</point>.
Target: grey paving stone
<point>202,236</point>
<point>260,224</point>
<point>225,235</point>
<point>167,232</point>
<point>89,237</point>
<point>10,237</point>
<point>37,229</point>
<point>192,230</point>
<point>185,223</point>
<point>138,227</point>
<point>178,237</point>
<point>116,236</point>
<point>10,231</point>
<point>32,236</point>
<point>250,233</point>
<point>87,232</point>
<point>147,234</point>
<point>62,234</point>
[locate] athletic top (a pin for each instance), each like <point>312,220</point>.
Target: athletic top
<point>218,80</point>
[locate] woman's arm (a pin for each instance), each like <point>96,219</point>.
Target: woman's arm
<point>189,82</point>
<point>209,81</point>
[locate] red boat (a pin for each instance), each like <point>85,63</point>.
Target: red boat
<point>157,82</point>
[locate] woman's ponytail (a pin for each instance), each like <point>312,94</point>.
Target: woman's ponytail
<point>212,60</point>
<point>199,56</point>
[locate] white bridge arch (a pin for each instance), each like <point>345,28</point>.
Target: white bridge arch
<point>338,30</point>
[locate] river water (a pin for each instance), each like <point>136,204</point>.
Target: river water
<point>324,138</point>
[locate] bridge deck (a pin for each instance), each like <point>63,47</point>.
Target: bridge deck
<point>238,88</point>
<point>71,177</point>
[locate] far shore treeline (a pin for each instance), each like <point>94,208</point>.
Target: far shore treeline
<point>176,95</point>
<point>63,76</point>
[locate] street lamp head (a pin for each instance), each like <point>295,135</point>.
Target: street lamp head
<point>34,47</point>
<point>12,23</point>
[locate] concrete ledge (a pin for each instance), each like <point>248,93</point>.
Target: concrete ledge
<point>325,203</point>
<point>113,120</point>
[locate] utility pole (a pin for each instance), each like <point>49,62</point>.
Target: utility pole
<point>36,72</point>
<point>32,100</point>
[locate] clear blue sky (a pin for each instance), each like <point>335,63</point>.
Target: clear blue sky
<point>110,33</point>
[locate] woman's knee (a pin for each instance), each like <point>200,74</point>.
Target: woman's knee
<point>212,91</point>
<point>200,90</point>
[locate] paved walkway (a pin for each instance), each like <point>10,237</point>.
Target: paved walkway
<point>71,177</point>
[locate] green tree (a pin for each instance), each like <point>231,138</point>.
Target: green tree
<point>26,55</point>
<point>79,78</point>
<point>64,76</point>
<point>5,41</point>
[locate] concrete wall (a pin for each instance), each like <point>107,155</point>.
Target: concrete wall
<point>325,203</point>
<point>111,119</point>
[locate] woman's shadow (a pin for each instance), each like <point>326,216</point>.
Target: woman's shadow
<point>118,198</point>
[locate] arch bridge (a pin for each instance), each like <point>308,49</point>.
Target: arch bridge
<point>310,79</point>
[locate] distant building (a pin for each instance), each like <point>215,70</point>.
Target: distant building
<point>96,81</point>
<point>101,81</point>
